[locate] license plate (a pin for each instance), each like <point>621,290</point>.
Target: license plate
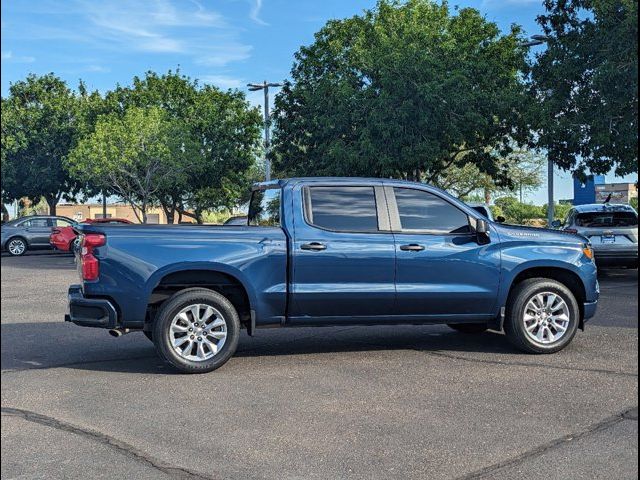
<point>608,239</point>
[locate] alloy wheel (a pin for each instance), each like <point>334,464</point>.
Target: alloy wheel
<point>198,332</point>
<point>546,318</point>
<point>16,247</point>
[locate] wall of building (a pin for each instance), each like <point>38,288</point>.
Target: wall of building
<point>595,190</point>
<point>94,210</point>
<point>620,192</point>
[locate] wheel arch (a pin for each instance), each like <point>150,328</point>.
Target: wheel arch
<point>563,275</point>
<point>14,237</point>
<point>221,279</point>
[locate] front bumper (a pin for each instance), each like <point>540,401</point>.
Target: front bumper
<point>90,312</point>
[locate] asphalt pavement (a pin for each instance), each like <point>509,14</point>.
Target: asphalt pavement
<point>409,402</point>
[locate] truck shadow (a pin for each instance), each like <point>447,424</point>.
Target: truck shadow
<point>51,345</point>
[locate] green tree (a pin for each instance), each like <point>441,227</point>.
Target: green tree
<point>560,210</point>
<point>517,212</point>
<point>408,89</point>
<point>135,155</point>
<point>586,82</point>
<point>519,172</point>
<point>39,128</point>
<point>223,124</point>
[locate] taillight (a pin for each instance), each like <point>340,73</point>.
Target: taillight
<point>90,264</point>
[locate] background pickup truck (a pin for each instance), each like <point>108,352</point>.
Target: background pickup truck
<point>330,251</point>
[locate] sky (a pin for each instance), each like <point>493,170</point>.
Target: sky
<point>227,43</point>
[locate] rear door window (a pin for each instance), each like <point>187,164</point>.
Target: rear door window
<point>61,222</point>
<point>342,209</point>
<point>36,223</point>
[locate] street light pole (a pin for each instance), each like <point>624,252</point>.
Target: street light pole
<point>539,40</point>
<point>267,122</point>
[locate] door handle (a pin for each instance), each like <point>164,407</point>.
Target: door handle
<point>412,247</point>
<point>315,246</point>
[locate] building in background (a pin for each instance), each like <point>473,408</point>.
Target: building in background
<point>620,192</point>
<point>595,190</point>
<point>116,210</point>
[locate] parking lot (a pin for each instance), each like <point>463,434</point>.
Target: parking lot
<point>349,402</point>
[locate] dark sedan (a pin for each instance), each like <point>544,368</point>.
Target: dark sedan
<point>28,233</point>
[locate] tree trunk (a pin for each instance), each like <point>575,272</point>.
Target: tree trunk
<point>169,211</point>
<point>52,202</point>
<point>487,196</point>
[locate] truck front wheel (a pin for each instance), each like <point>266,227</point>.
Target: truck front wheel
<point>542,316</point>
<point>196,330</point>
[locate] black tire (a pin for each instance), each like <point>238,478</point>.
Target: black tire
<point>171,307</point>
<point>471,328</point>
<point>74,246</point>
<point>514,324</point>
<point>14,240</point>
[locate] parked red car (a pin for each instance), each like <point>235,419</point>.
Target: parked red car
<point>63,238</point>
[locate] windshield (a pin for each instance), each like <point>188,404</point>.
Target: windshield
<point>607,219</point>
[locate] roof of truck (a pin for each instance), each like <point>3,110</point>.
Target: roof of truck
<point>285,181</point>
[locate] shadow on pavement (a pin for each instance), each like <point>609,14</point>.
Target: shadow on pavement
<point>56,344</point>
<point>52,261</point>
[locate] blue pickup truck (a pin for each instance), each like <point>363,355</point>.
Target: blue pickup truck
<point>333,251</point>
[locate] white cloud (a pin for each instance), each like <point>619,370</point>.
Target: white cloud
<point>254,13</point>
<point>222,81</point>
<point>183,27</point>
<point>216,56</point>
<point>8,56</point>
<point>97,69</point>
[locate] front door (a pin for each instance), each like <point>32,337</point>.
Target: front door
<point>343,255</point>
<point>441,269</point>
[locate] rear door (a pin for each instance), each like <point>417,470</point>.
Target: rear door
<point>38,231</point>
<point>441,269</point>
<point>343,254</point>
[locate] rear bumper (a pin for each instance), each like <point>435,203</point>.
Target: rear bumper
<point>90,312</point>
<point>616,256</point>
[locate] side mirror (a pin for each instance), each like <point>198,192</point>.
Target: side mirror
<point>556,224</point>
<point>482,227</point>
<point>500,219</point>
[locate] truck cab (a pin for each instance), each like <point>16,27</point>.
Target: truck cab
<point>334,251</point>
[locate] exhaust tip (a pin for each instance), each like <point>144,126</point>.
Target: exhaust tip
<point>115,332</point>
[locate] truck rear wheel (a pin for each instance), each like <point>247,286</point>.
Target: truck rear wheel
<point>542,316</point>
<point>196,330</point>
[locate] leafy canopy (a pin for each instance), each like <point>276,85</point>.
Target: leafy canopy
<point>135,155</point>
<point>224,127</point>
<point>406,90</point>
<point>39,128</point>
<point>586,82</point>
